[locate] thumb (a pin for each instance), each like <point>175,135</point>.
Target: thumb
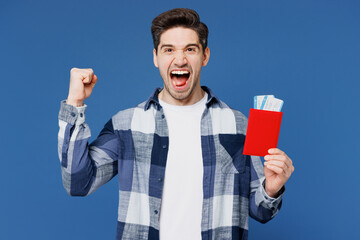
<point>94,80</point>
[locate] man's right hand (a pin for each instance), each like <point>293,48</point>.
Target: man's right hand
<point>82,82</point>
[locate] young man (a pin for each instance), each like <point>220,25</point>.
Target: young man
<point>178,155</point>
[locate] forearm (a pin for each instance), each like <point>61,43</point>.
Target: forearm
<point>77,169</point>
<point>263,207</point>
<point>84,168</point>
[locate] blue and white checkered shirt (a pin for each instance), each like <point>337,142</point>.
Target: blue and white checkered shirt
<point>134,145</point>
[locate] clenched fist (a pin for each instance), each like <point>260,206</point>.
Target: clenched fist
<point>82,82</point>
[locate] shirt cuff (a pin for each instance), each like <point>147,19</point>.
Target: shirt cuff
<point>265,200</point>
<point>72,115</point>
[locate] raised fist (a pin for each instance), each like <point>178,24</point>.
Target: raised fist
<point>82,82</point>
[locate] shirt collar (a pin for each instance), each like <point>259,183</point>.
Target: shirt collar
<point>154,99</point>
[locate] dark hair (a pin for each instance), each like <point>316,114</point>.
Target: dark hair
<point>179,17</point>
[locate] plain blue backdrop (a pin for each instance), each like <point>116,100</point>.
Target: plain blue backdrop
<point>304,52</point>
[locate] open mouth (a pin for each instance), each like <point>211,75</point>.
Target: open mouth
<point>179,78</point>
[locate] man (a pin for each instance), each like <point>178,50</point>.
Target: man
<point>178,155</point>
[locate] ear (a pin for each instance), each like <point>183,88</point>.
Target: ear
<point>155,58</point>
<point>206,56</point>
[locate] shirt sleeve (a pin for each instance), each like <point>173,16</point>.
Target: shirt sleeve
<point>262,207</point>
<point>85,167</point>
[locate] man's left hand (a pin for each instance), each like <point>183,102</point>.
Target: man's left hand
<point>278,169</point>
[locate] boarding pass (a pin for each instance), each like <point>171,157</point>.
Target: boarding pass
<point>268,102</point>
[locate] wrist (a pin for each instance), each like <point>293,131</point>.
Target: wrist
<point>272,194</point>
<point>75,103</point>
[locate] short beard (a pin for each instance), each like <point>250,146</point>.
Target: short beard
<point>175,97</point>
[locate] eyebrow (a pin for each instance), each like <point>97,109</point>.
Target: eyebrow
<point>189,45</point>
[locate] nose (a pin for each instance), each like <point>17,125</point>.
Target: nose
<point>180,59</point>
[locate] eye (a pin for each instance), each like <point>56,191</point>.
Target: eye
<point>191,50</point>
<point>168,50</point>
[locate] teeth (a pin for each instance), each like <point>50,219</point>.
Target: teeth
<point>180,72</point>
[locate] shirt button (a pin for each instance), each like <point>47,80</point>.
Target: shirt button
<point>73,114</point>
<point>165,146</point>
<point>162,116</point>
<point>156,212</point>
<point>81,115</point>
<point>160,179</point>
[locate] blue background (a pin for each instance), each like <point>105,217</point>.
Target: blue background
<point>304,52</point>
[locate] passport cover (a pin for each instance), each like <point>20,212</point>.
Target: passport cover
<point>262,132</point>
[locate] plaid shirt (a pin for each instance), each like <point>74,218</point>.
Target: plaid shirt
<point>134,145</point>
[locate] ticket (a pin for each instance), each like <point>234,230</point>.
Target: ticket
<point>268,102</point>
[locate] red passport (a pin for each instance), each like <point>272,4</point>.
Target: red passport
<point>262,132</point>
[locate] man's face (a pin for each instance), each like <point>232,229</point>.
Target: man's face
<point>179,59</point>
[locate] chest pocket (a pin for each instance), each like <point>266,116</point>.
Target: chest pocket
<point>230,153</point>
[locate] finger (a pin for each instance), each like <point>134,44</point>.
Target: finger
<point>85,78</point>
<point>279,164</point>
<point>91,74</point>
<point>274,168</point>
<point>276,157</point>
<point>281,171</point>
<point>279,157</point>
<point>287,170</point>
<point>94,80</point>
<point>276,151</point>
<point>88,78</point>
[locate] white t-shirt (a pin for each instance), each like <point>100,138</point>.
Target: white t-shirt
<point>181,206</point>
